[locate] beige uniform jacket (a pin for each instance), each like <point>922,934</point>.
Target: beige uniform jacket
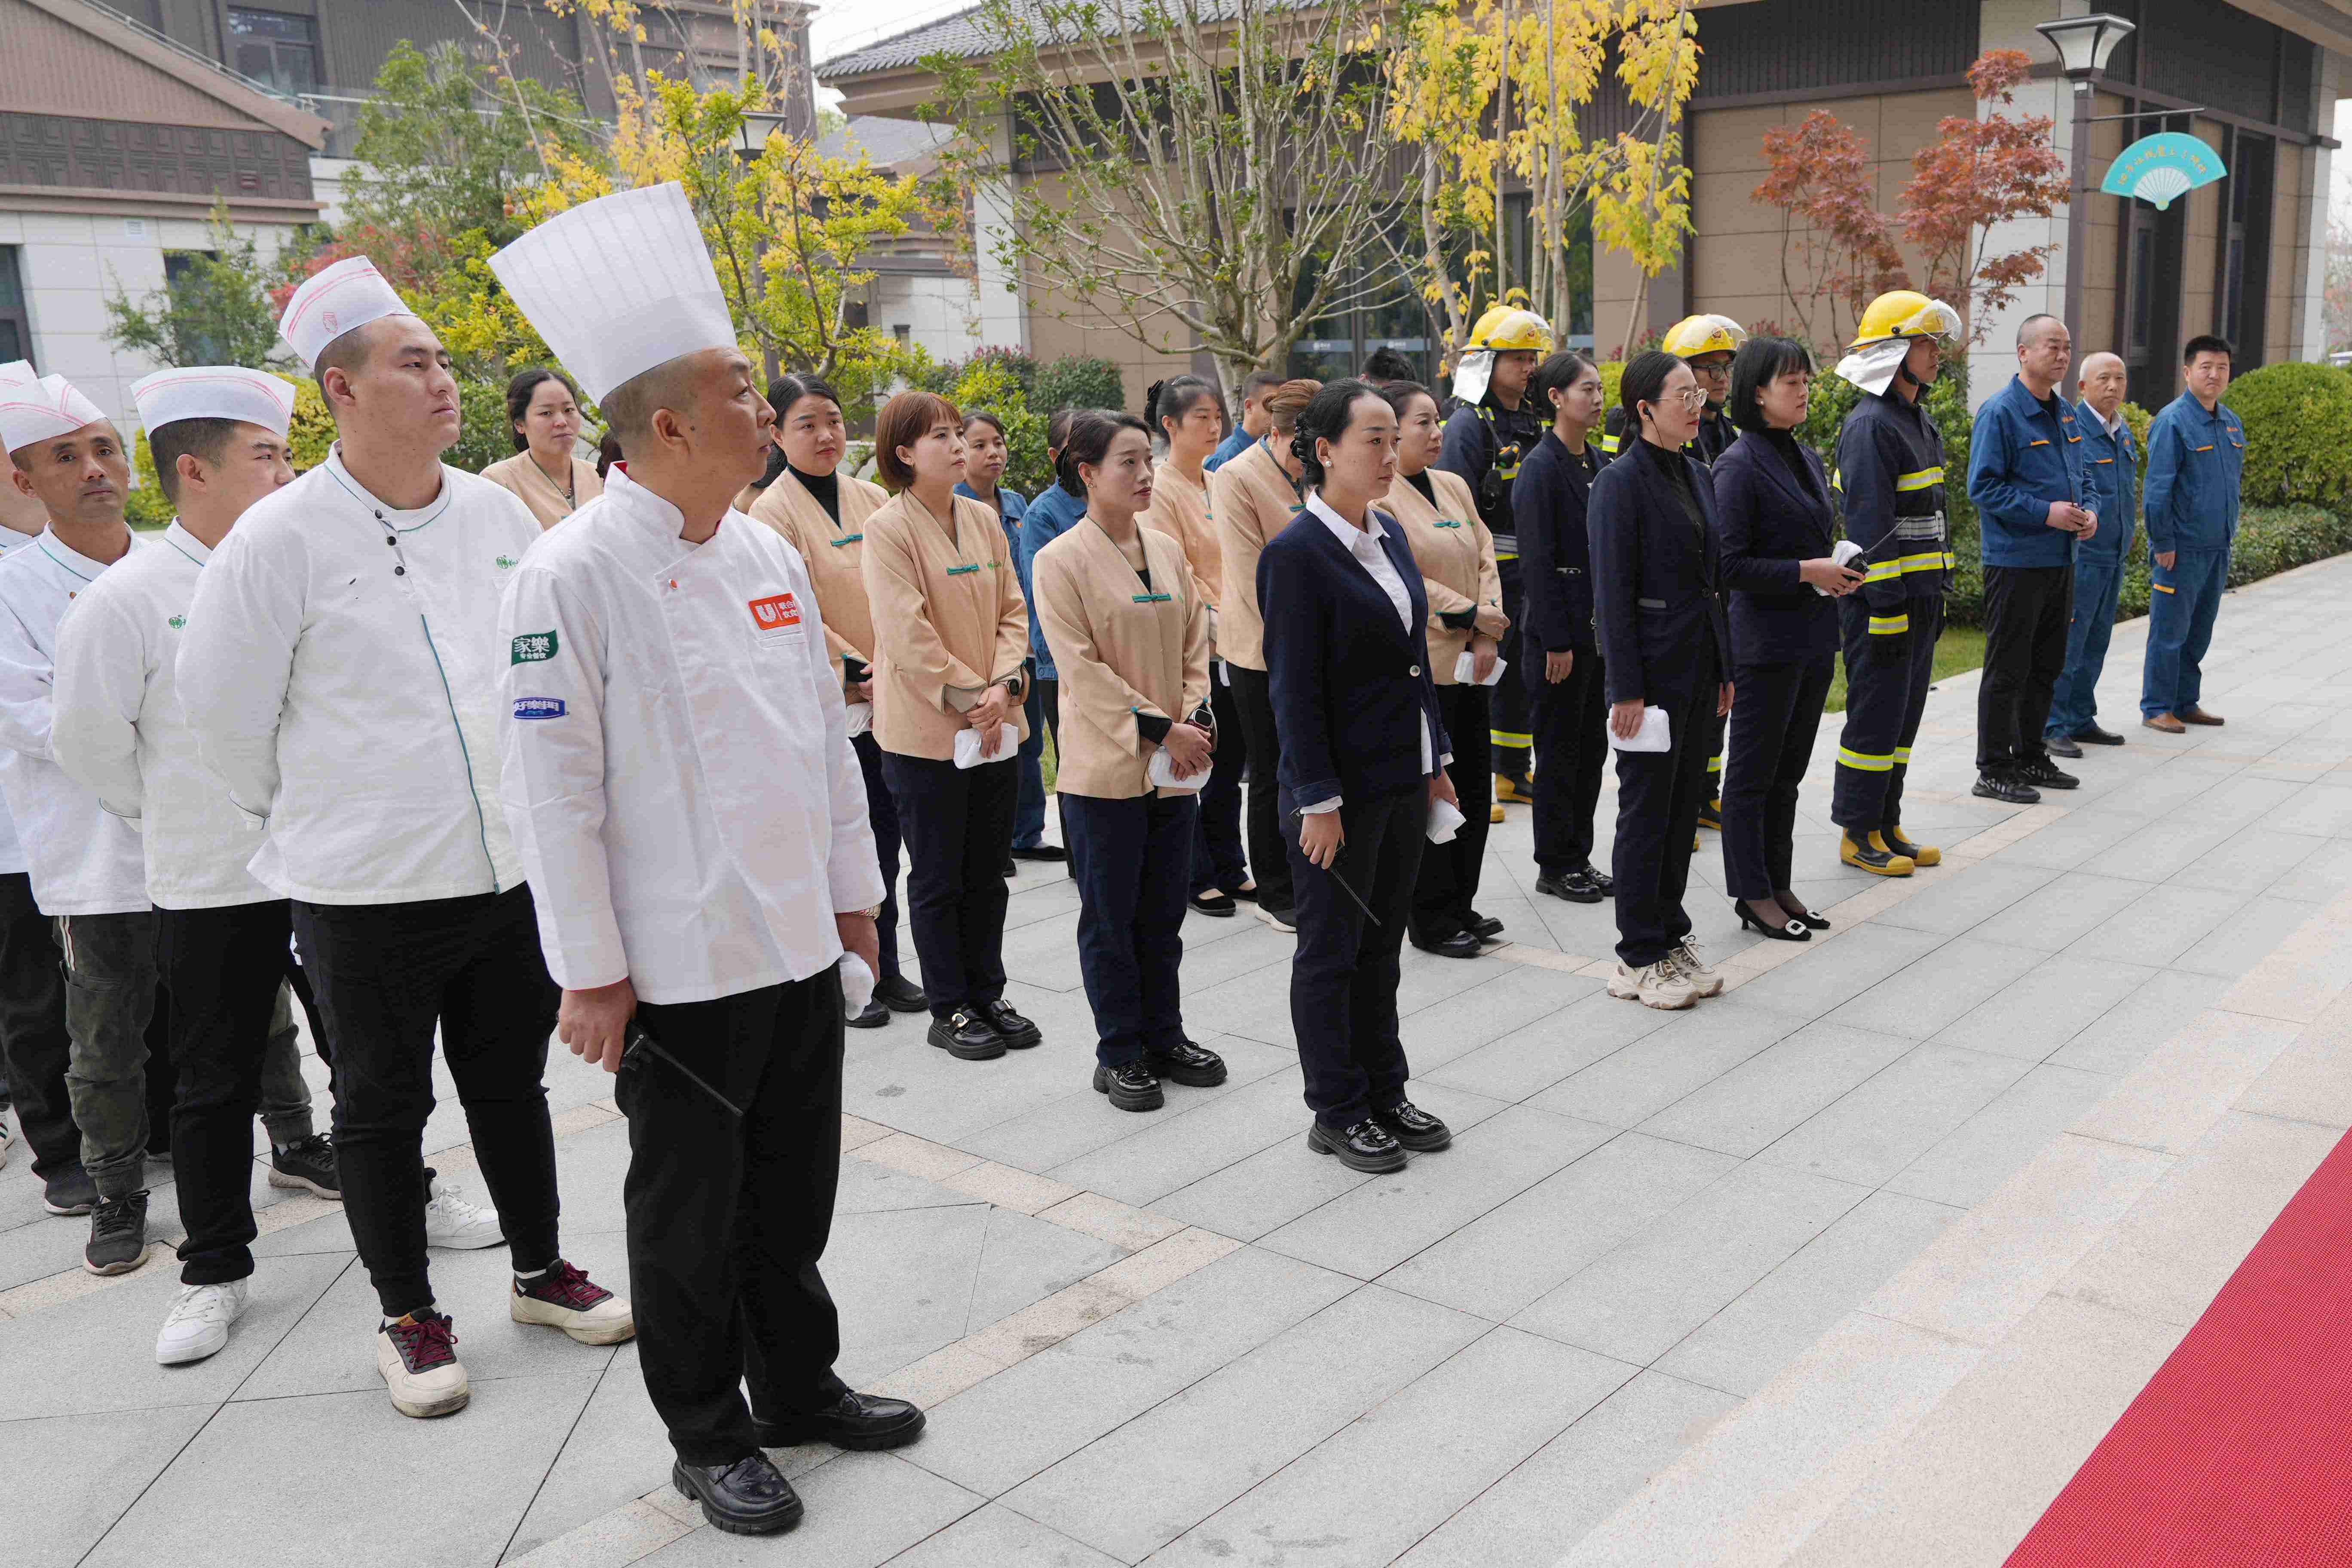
<point>1120,649</point>
<point>834,553</point>
<point>524,478</point>
<point>1456,557</point>
<point>948,622</point>
<point>1253,501</point>
<point>1180,509</point>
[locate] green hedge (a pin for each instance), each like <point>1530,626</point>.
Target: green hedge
<point>2298,420</point>
<point>1077,381</point>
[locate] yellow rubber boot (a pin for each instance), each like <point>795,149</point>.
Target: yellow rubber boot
<point>1495,812</point>
<point>1873,858</point>
<point>1711,814</point>
<point>1894,843</point>
<point>1507,788</point>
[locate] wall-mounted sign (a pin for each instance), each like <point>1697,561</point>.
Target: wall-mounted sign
<point>2162,168</point>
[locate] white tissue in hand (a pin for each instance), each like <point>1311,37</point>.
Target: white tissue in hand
<point>967,746</point>
<point>1651,737</point>
<point>1845,552</point>
<point>1162,772</point>
<point>1468,662</point>
<point>857,984</point>
<point>1445,819</point>
<point>861,718</point>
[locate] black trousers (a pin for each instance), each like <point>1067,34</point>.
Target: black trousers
<point>387,976</point>
<point>1217,840</point>
<point>957,824</point>
<point>1133,860</point>
<point>882,816</point>
<point>1447,885</point>
<point>1776,712</point>
<point>222,969</point>
<point>1571,731</point>
<point>1269,860</point>
<point>1887,672</point>
<point>2026,611</point>
<point>730,1203</point>
<point>1511,735</point>
<point>1658,797</point>
<point>1343,981</point>
<point>33,1029</point>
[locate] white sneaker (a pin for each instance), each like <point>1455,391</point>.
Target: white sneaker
<point>1274,920</point>
<point>420,1367</point>
<point>1658,985</point>
<point>450,1221</point>
<point>1692,967</point>
<point>198,1324</point>
<point>564,1298</point>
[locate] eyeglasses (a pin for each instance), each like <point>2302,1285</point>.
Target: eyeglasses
<point>1692,397</point>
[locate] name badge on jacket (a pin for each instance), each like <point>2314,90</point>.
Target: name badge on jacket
<point>776,617</point>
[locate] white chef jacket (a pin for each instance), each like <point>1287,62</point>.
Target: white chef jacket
<point>84,860</point>
<point>677,768</point>
<point>11,851</point>
<point>341,669</point>
<point>118,728</point>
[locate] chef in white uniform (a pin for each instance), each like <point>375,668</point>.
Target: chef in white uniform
<point>680,782</point>
<point>218,434</point>
<point>341,669</point>
<point>33,1047</point>
<point>87,872</point>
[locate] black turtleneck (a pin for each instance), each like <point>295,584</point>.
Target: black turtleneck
<point>1784,442</point>
<point>825,488</point>
<point>1678,472</point>
<point>1421,482</point>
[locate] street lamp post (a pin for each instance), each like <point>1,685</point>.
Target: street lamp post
<point>2083,43</point>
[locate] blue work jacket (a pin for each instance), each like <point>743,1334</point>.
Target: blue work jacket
<point>2195,462</point>
<point>1232,447</point>
<point>2111,463</point>
<point>2025,453</point>
<point>1051,515</point>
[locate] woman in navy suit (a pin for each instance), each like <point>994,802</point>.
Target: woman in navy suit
<point>1772,511</point>
<point>1658,600</point>
<point>1364,750</point>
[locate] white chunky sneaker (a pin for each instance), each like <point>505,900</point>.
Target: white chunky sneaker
<point>450,1221</point>
<point>1658,985</point>
<point>418,1359</point>
<point>198,1324</point>
<point>564,1298</point>
<point>1706,980</point>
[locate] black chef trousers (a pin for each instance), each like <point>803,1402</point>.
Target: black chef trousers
<point>882,816</point>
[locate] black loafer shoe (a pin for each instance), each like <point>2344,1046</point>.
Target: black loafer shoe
<point>1011,867</point>
<point>1040,852</point>
<point>749,1497</point>
<point>862,1421</point>
<point>1414,1128</point>
<point>2061,746</point>
<point>1482,926</point>
<point>1221,905</point>
<point>901,995</point>
<point>1194,1067</point>
<point>1366,1146</point>
<point>966,1036</point>
<point>2006,788</point>
<point>1576,887</point>
<point>1601,878</point>
<point>1247,895</point>
<point>1017,1031</point>
<point>1461,944</point>
<point>2046,775</point>
<point>1133,1086</point>
<point>2091,735</point>
<point>874,1016</point>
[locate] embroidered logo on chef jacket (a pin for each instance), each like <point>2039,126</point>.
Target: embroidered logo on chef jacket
<point>505,561</point>
<point>538,708</point>
<point>532,647</point>
<point>775,615</point>
<point>176,622</point>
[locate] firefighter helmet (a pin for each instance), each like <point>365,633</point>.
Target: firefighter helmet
<point>1696,335</point>
<point>1906,313</point>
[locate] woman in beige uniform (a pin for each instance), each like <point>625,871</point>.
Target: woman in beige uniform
<point>951,633</point>
<point>543,411</point>
<point>1464,587</point>
<point>805,497</point>
<point>1253,496</point>
<point>1130,626</point>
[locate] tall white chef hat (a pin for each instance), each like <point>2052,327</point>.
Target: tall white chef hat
<point>334,301</point>
<point>619,285</point>
<point>32,412</point>
<point>215,392</point>
<point>17,370</point>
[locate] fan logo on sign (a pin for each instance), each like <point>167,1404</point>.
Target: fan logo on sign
<point>2162,168</point>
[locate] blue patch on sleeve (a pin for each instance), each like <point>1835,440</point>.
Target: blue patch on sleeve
<point>538,708</point>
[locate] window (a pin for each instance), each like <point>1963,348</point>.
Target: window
<point>1391,316</point>
<point>15,331</point>
<point>279,51</point>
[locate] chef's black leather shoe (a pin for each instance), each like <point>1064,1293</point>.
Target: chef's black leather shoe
<point>859,1421</point>
<point>966,1036</point>
<point>1414,1128</point>
<point>749,1497</point>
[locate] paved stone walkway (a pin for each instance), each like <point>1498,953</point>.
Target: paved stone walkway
<point>1184,1338</point>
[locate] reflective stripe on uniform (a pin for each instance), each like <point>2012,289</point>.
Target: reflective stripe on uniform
<point>1883,572</point>
<point>2161,588</point>
<point>1882,624</point>
<point>1921,480</point>
<point>1606,443</point>
<point>1867,764</point>
<point>1903,756</point>
<point>1933,560</point>
<point>1505,738</point>
<point>1715,764</point>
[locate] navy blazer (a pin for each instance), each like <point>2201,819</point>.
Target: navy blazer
<point>1350,685</point>
<point>1547,502</point>
<point>1656,583</point>
<point>1767,521</point>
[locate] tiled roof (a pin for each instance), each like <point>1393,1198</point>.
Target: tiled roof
<point>960,33</point>
<point>886,141</point>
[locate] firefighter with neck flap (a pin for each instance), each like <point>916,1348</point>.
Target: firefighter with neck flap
<point>1492,428</point>
<point>1890,473</point>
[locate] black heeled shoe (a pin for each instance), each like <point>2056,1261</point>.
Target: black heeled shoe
<point>1793,931</point>
<point>1804,917</point>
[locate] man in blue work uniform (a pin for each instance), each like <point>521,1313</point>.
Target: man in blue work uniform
<point>1253,424</point>
<point>1054,513</point>
<point>2196,455</point>
<point>2026,476</point>
<point>2112,465</point>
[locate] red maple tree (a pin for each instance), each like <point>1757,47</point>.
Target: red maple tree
<point>1822,176</point>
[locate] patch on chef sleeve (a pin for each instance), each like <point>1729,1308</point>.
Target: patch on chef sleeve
<point>774,615</point>
<point>532,647</point>
<point>538,708</point>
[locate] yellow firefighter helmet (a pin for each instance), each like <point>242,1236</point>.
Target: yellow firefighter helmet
<point>1696,335</point>
<point>1507,329</point>
<point>1906,313</point>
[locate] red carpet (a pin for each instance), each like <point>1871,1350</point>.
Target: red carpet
<point>2240,1448</point>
